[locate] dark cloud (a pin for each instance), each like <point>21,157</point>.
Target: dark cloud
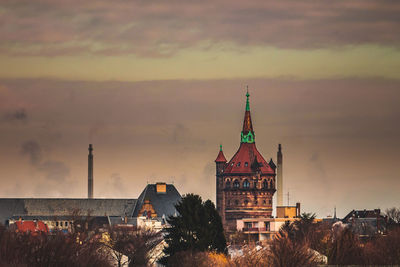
<point>33,151</point>
<point>160,28</point>
<point>16,115</point>
<point>55,170</point>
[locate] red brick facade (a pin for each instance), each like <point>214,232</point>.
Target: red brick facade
<point>245,184</point>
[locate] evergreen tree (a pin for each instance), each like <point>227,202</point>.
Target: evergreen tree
<point>198,227</point>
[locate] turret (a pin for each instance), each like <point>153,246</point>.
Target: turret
<point>220,161</point>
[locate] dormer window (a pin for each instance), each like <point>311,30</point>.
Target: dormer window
<point>238,164</point>
<point>246,164</point>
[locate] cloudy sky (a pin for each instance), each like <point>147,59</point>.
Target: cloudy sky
<point>156,86</point>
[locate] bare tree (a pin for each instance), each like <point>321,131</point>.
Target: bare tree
<point>393,215</point>
<point>135,243</point>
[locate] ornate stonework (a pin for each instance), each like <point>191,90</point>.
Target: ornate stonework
<point>245,184</point>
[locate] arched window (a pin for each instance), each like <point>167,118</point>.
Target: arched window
<point>246,184</point>
<point>265,184</point>
<point>228,184</point>
<point>236,184</point>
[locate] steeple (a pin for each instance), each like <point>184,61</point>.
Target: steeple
<point>247,135</point>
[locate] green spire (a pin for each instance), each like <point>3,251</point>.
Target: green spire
<point>247,100</point>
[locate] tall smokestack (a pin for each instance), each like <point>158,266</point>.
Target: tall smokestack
<point>90,172</point>
<point>279,176</point>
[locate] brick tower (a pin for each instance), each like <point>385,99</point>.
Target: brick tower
<point>245,184</point>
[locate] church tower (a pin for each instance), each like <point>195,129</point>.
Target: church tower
<point>245,184</point>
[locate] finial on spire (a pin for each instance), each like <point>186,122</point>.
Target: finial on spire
<point>247,99</point>
<point>220,147</point>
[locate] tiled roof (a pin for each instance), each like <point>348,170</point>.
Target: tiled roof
<point>10,207</point>
<point>31,226</point>
<point>246,160</point>
<point>220,157</point>
<point>163,203</point>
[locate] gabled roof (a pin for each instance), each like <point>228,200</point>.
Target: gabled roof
<point>363,214</point>
<point>163,203</point>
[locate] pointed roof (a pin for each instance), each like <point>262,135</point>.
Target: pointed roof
<point>220,157</point>
<point>248,160</point>
<point>247,135</point>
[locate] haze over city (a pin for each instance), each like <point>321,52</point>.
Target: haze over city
<point>156,87</point>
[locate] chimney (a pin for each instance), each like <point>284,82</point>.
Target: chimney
<point>279,176</point>
<point>90,172</point>
<point>298,209</point>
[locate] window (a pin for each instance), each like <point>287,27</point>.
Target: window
<point>228,184</point>
<point>246,202</point>
<point>246,184</point>
<point>66,224</point>
<point>246,164</point>
<point>266,224</point>
<point>236,202</point>
<point>56,223</point>
<point>61,224</point>
<point>265,184</point>
<point>232,163</point>
<point>236,184</point>
<point>270,201</point>
<point>229,202</point>
<point>264,202</point>
<point>238,164</point>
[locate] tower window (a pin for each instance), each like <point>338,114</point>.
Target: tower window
<point>265,184</point>
<point>246,184</point>
<point>238,164</point>
<point>228,184</point>
<point>236,184</point>
<point>246,164</point>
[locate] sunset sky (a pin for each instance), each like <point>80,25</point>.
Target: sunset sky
<point>157,86</point>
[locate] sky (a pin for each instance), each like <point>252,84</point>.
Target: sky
<point>157,86</point>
